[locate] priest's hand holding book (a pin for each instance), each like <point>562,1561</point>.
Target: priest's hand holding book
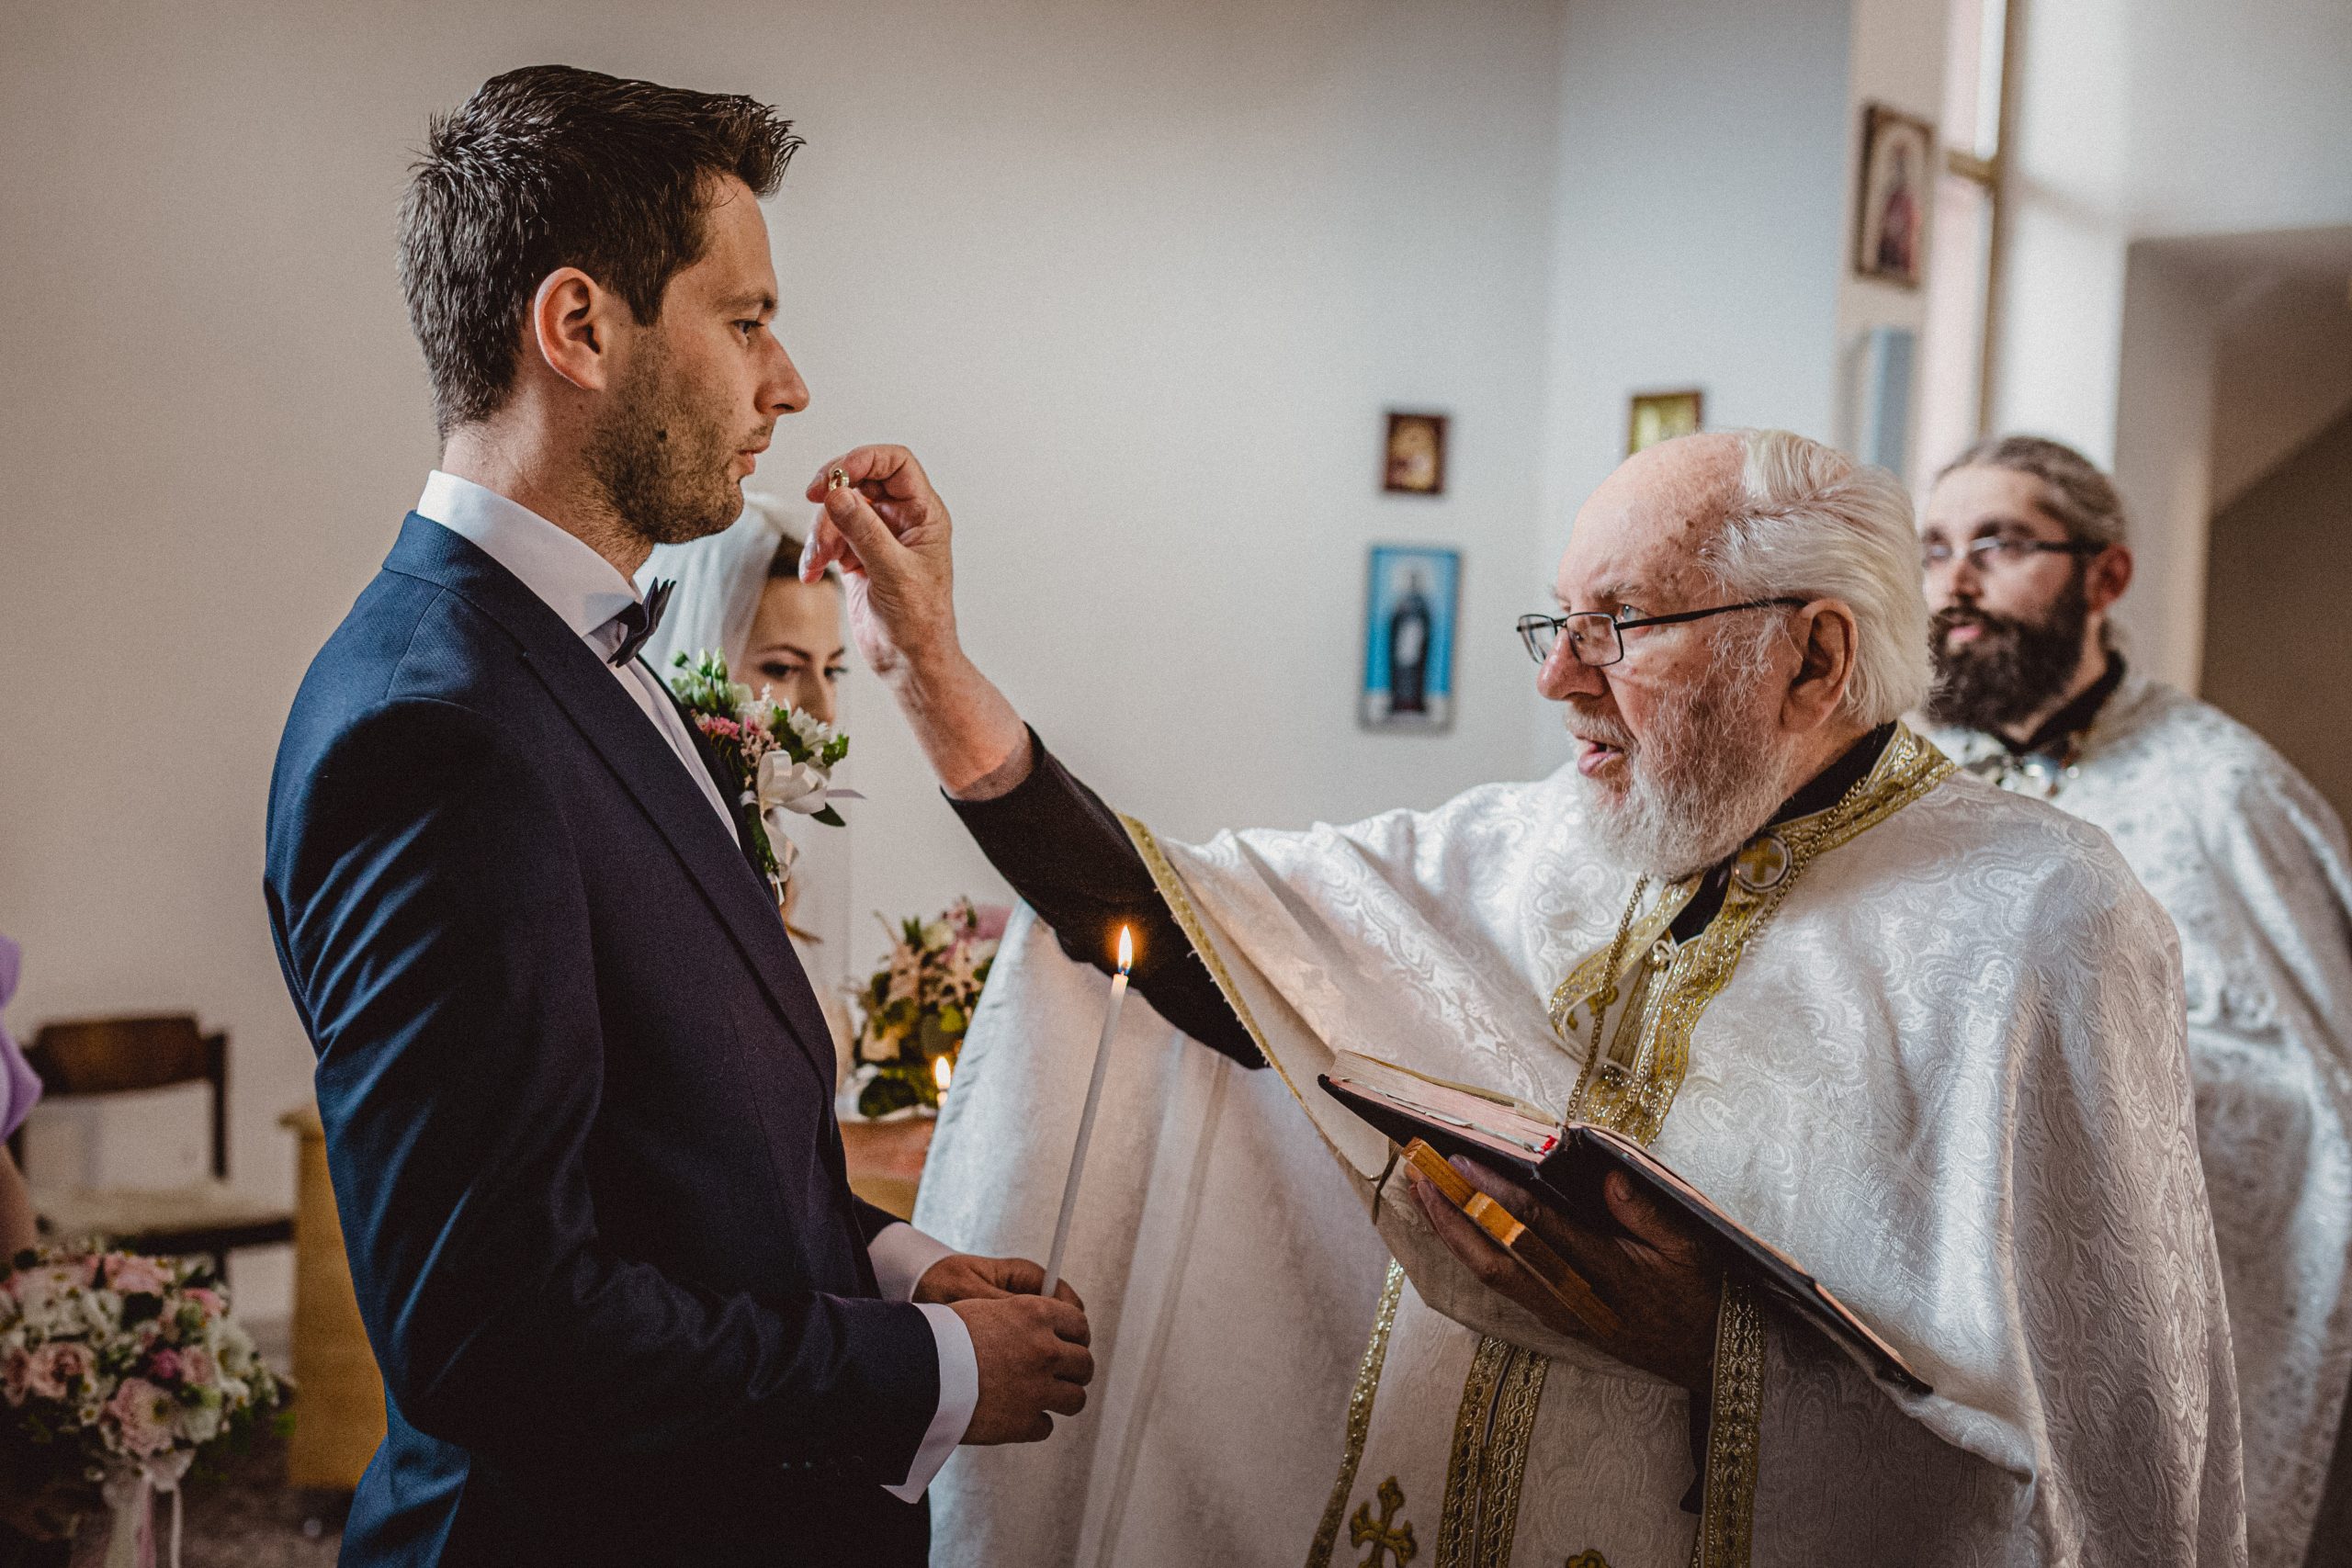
<point>1653,1271</point>
<point>1586,1228</point>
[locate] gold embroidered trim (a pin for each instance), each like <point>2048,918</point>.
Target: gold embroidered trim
<point>1726,1528</point>
<point>1179,899</point>
<point>1492,1430</point>
<point>1376,1352</point>
<point>1630,1090</point>
<point>1457,1522</point>
<point>1515,1403</point>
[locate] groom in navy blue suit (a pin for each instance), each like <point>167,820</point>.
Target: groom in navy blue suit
<point>578,1093</point>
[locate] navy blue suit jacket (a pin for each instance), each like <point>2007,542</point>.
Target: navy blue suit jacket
<point>578,1098</point>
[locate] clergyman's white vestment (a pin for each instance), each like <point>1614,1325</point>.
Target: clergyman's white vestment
<point>2251,864</point>
<point>1931,1048</point>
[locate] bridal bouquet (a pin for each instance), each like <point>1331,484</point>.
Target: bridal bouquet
<point>782,759</point>
<point>120,1368</point>
<point>919,1004</point>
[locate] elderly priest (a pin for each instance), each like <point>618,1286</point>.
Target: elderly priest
<point>1923,1036</point>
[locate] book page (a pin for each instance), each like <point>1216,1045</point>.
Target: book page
<point>1495,1117</point>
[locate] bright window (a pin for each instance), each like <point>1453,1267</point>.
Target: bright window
<point>1965,236</point>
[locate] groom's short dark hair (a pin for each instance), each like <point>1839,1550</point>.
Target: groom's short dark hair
<point>551,166</point>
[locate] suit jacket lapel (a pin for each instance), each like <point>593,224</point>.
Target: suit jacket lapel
<point>639,756</point>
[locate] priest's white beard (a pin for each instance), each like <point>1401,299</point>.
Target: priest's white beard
<point>1694,788</point>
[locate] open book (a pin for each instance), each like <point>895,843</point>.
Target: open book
<point>1565,1164</point>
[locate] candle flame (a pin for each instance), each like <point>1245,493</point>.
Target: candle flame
<point>942,1069</point>
<point>1126,950</point>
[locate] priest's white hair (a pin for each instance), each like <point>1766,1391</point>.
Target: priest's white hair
<point>1809,521</point>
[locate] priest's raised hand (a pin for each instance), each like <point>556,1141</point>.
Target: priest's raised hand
<point>890,533</point>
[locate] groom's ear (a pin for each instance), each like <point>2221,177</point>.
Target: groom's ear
<point>571,327</point>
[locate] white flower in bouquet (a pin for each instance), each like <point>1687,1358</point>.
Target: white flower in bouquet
<point>120,1368</point>
<point>782,759</point>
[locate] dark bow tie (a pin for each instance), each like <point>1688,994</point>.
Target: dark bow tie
<point>639,622</point>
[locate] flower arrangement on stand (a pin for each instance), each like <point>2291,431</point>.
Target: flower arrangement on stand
<point>916,1009</point>
<point>121,1370</point>
<point>780,758</point>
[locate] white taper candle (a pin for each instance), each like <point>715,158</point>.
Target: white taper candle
<point>1086,1121</point>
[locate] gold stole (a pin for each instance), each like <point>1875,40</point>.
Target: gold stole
<point>1637,1002</point>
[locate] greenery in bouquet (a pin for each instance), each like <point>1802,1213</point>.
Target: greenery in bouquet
<point>780,758</point>
<point>918,1006</point>
<point>115,1366</point>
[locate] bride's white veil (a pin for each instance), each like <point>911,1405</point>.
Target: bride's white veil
<point>719,581</point>
<point>716,599</point>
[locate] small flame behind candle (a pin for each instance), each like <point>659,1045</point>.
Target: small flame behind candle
<point>942,1069</point>
<point>1126,950</point>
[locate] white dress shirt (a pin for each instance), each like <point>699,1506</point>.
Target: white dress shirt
<point>588,592</point>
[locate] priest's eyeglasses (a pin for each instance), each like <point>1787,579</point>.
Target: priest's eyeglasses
<point>1595,636</point>
<point>1986,554</point>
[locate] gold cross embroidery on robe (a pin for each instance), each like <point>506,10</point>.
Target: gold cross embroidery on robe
<point>1389,1537</point>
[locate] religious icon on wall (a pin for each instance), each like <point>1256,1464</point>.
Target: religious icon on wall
<point>1408,637</point>
<point>1414,463</point>
<point>1890,216</point>
<point>1662,416</point>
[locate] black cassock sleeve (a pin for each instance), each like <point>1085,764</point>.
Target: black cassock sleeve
<point>1067,855</point>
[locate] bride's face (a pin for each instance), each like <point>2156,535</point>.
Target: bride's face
<point>797,650</point>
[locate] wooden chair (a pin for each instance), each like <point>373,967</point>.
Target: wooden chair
<point>122,1055</point>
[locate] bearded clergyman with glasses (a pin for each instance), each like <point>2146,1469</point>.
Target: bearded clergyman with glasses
<point>2024,553</point>
<point>1921,1035</point>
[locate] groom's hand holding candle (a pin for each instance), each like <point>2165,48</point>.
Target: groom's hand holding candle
<point>965,1276</point>
<point>1033,1362</point>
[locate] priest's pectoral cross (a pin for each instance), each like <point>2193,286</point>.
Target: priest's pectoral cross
<point>1390,1538</point>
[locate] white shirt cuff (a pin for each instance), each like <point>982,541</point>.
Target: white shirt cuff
<point>902,1256</point>
<point>959,1394</point>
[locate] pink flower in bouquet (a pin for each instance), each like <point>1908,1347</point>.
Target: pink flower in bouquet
<point>54,1366</point>
<point>992,920</point>
<point>143,1413</point>
<point>198,1369</point>
<point>209,1299</point>
<point>16,1376</point>
<point>134,1275</point>
<point>163,1366</point>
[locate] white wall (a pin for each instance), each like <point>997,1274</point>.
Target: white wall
<point>2164,442</point>
<point>1701,233</point>
<point>1136,282</point>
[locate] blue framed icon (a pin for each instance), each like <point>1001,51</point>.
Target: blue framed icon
<point>1410,601</point>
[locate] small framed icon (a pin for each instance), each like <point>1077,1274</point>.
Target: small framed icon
<point>1414,461</point>
<point>1662,416</point>
<point>1410,601</point>
<point>1891,207</point>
